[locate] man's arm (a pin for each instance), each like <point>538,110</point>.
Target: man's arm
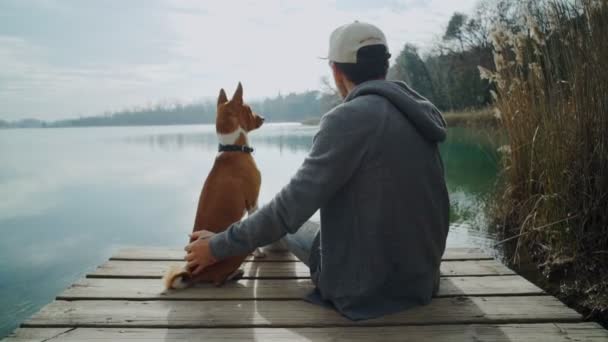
<point>337,151</point>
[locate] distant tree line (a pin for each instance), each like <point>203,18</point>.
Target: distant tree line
<point>23,123</point>
<point>175,114</point>
<point>293,107</point>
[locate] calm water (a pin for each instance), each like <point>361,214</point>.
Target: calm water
<point>69,197</point>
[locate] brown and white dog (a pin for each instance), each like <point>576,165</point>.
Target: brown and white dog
<point>230,190</point>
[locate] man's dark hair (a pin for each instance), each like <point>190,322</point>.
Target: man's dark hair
<point>372,64</point>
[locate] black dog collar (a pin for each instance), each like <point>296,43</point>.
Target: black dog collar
<point>235,148</point>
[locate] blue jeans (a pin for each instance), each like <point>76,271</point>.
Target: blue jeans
<point>302,242</point>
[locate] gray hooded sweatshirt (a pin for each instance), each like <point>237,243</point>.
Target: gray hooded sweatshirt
<point>375,172</point>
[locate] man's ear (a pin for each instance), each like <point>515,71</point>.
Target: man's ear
<point>340,80</point>
<point>238,94</point>
<point>222,98</point>
<point>336,73</point>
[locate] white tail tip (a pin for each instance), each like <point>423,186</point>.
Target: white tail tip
<point>174,278</point>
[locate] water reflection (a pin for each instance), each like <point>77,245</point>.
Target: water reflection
<point>471,163</point>
<point>282,137</point>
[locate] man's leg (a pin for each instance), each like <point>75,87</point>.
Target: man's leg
<point>301,243</point>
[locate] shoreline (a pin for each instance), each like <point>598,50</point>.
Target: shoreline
<point>483,117</point>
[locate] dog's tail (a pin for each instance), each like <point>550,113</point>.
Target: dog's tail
<point>176,278</point>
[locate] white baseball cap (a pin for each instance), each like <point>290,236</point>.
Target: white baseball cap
<point>346,40</point>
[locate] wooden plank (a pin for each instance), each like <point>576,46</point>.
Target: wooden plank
<point>152,289</point>
<point>293,313</point>
<point>177,254</point>
<point>263,270</point>
<point>474,268</point>
<point>563,332</point>
<point>543,332</point>
<point>41,334</point>
<point>155,269</point>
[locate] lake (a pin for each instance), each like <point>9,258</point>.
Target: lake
<point>70,197</point>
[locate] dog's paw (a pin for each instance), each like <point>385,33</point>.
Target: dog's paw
<point>257,253</point>
<point>176,278</point>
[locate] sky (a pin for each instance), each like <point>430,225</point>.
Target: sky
<point>70,58</point>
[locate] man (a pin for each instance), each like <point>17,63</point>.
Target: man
<point>375,172</point>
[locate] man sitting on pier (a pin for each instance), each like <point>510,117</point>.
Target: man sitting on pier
<point>375,172</point>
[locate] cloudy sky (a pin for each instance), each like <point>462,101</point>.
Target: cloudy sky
<point>67,58</point>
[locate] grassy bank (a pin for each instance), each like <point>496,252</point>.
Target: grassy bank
<point>552,85</point>
<point>484,117</point>
<point>311,121</point>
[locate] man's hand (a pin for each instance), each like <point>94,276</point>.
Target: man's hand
<point>199,254</point>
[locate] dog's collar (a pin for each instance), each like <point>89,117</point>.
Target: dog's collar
<point>235,148</point>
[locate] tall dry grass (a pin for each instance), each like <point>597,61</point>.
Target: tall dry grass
<point>552,93</point>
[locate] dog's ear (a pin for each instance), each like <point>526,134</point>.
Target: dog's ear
<point>222,98</point>
<point>238,94</point>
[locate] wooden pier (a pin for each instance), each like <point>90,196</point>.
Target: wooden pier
<point>123,300</point>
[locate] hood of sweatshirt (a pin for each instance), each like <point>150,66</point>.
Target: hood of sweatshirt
<point>420,112</point>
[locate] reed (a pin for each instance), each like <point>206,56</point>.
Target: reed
<point>551,83</point>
